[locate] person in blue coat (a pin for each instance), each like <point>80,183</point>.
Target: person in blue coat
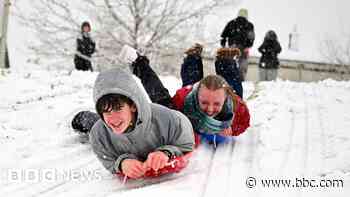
<point>192,67</point>
<point>226,65</point>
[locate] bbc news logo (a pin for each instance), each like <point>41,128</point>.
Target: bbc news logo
<point>52,175</point>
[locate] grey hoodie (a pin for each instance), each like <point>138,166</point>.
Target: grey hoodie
<point>157,128</point>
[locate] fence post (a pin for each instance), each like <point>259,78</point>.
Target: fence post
<point>4,14</point>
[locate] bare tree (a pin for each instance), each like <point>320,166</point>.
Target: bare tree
<point>154,26</point>
<point>336,51</point>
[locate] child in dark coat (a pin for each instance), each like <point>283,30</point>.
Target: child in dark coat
<point>226,65</point>
<point>192,67</point>
<point>269,63</point>
<point>85,48</point>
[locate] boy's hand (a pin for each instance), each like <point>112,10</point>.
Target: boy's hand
<point>133,168</point>
<point>156,160</point>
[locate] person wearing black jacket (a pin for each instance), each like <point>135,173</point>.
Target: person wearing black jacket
<point>239,33</point>
<point>226,66</point>
<point>192,66</point>
<point>85,48</point>
<point>269,63</point>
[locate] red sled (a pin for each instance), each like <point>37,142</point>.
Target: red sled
<point>175,165</point>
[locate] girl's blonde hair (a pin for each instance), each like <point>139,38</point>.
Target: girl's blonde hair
<point>215,82</point>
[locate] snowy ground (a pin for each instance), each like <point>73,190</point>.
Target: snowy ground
<point>298,130</point>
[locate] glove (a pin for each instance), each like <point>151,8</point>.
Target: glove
<point>223,42</point>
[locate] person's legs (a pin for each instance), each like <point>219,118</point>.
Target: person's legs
<point>151,82</point>
<point>262,74</point>
<point>243,68</point>
<point>89,66</point>
<point>81,64</point>
<point>271,74</point>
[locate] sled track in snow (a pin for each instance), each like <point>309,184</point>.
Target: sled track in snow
<point>322,127</point>
<point>306,133</point>
<point>299,119</point>
<point>291,133</point>
<point>229,173</point>
<point>255,135</point>
<point>207,174</point>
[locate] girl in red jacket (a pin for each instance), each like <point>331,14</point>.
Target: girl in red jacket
<point>215,111</point>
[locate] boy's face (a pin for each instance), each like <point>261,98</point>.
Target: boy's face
<point>120,120</point>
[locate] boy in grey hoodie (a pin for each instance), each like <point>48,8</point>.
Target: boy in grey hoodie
<point>134,136</point>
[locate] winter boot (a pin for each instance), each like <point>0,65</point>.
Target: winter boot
<point>84,121</point>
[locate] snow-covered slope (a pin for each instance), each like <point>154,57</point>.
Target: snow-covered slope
<point>298,130</point>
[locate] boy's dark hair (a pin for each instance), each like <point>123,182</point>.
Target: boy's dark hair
<point>110,102</point>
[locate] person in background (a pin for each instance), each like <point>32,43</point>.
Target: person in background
<point>192,66</point>
<point>239,33</point>
<point>269,63</point>
<point>85,48</point>
<point>226,65</point>
<point>215,111</point>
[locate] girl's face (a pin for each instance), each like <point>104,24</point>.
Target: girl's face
<point>211,101</point>
<point>120,120</point>
<point>86,28</point>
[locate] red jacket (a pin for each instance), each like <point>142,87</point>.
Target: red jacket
<point>241,119</point>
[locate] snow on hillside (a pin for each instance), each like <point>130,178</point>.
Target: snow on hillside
<point>298,130</point>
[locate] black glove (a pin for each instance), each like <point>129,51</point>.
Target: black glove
<point>223,42</point>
